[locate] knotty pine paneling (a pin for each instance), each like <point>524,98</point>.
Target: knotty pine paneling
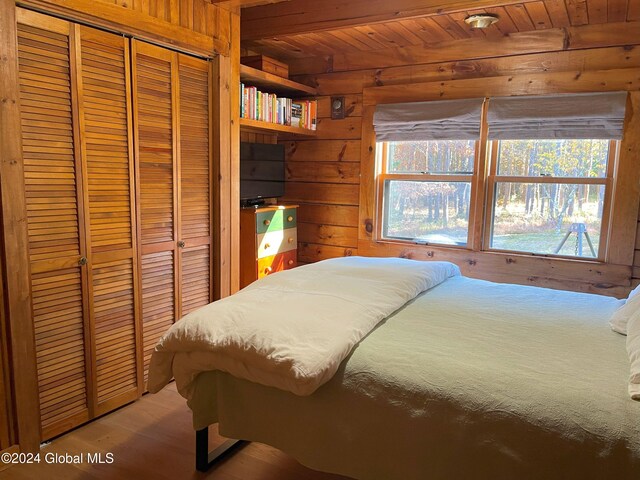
<point>197,26</point>
<point>323,172</point>
<point>201,16</point>
<point>574,60</point>
<point>323,178</point>
<point>280,30</point>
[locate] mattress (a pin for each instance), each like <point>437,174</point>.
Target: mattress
<point>472,379</point>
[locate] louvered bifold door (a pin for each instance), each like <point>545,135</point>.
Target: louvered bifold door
<point>195,181</point>
<point>156,129</point>
<point>54,215</point>
<point>104,87</point>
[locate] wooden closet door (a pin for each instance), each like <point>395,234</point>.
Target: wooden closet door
<point>156,130</point>
<point>57,249</point>
<point>195,184</point>
<point>171,114</point>
<point>104,91</point>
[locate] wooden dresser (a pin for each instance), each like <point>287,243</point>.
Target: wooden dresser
<point>268,241</point>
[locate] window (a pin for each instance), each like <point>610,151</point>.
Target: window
<point>427,190</point>
<point>543,184</point>
<point>549,196</point>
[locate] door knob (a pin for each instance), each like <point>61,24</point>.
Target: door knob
<point>181,243</point>
<point>82,261</point>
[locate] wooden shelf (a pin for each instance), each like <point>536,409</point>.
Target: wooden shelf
<point>274,84</point>
<point>267,127</point>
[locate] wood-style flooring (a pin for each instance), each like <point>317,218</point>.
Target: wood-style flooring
<point>153,439</point>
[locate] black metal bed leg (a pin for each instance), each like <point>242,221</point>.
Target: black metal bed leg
<point>204,458</point>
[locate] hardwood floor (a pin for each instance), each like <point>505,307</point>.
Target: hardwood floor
<point>153,438</point>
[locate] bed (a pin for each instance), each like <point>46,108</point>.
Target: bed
<point>471,379</point>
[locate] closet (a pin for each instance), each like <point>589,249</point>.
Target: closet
<point>111,237</point>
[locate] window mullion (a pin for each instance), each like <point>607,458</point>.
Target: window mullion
<point>556,180</point>
<point>418,177</point>
<point>489,198</point>
<point>479,185</point>
<point>603,247</point>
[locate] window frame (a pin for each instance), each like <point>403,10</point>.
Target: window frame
<point>483,182</point>
<point>493,178</point>
<point>383,176</point>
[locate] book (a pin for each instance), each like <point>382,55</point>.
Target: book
<point>296,115</point>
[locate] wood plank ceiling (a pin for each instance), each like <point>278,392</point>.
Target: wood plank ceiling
<point>437,28</point>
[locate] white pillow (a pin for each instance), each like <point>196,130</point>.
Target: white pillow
<point>633,349</point>
<point>621,316</point>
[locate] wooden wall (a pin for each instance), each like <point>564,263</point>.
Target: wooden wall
<point>323,174</point>
<point>198,26</point>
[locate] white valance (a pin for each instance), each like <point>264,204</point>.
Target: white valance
<point>589,115</point>
<point>439,120</point>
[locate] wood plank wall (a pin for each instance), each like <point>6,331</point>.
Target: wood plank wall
<point>198,26</point>
<point>323,173</point>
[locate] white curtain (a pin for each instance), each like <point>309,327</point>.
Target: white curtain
<point>589,115</point>
<point>439,120</point>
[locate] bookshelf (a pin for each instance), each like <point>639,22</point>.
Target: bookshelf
<point>258,126</point>
<point>280,86</point>
<point>275,84</point>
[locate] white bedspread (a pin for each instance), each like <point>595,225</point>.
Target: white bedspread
<point>291,330</point>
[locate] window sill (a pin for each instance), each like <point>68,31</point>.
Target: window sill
<point>441,248</point>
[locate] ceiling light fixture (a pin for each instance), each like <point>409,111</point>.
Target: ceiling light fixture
<point>481,21</point>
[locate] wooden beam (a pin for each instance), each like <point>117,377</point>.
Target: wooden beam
<point>15,238</point>
<point>541,41</point>
<point>533,84</point>
<point>571,60</point>
<point>306,16</point>
<point>116,18</point>
<point>516,44</point>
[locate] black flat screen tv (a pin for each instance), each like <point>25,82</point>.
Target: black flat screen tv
<point>261,172</point>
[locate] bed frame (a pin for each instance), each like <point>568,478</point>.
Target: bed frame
<point>205,459</point>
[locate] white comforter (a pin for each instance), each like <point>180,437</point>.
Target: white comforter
<point>291,330</point>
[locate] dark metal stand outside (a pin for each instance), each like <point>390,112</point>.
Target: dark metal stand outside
<point>580,229</point>
<point>204,458</point>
